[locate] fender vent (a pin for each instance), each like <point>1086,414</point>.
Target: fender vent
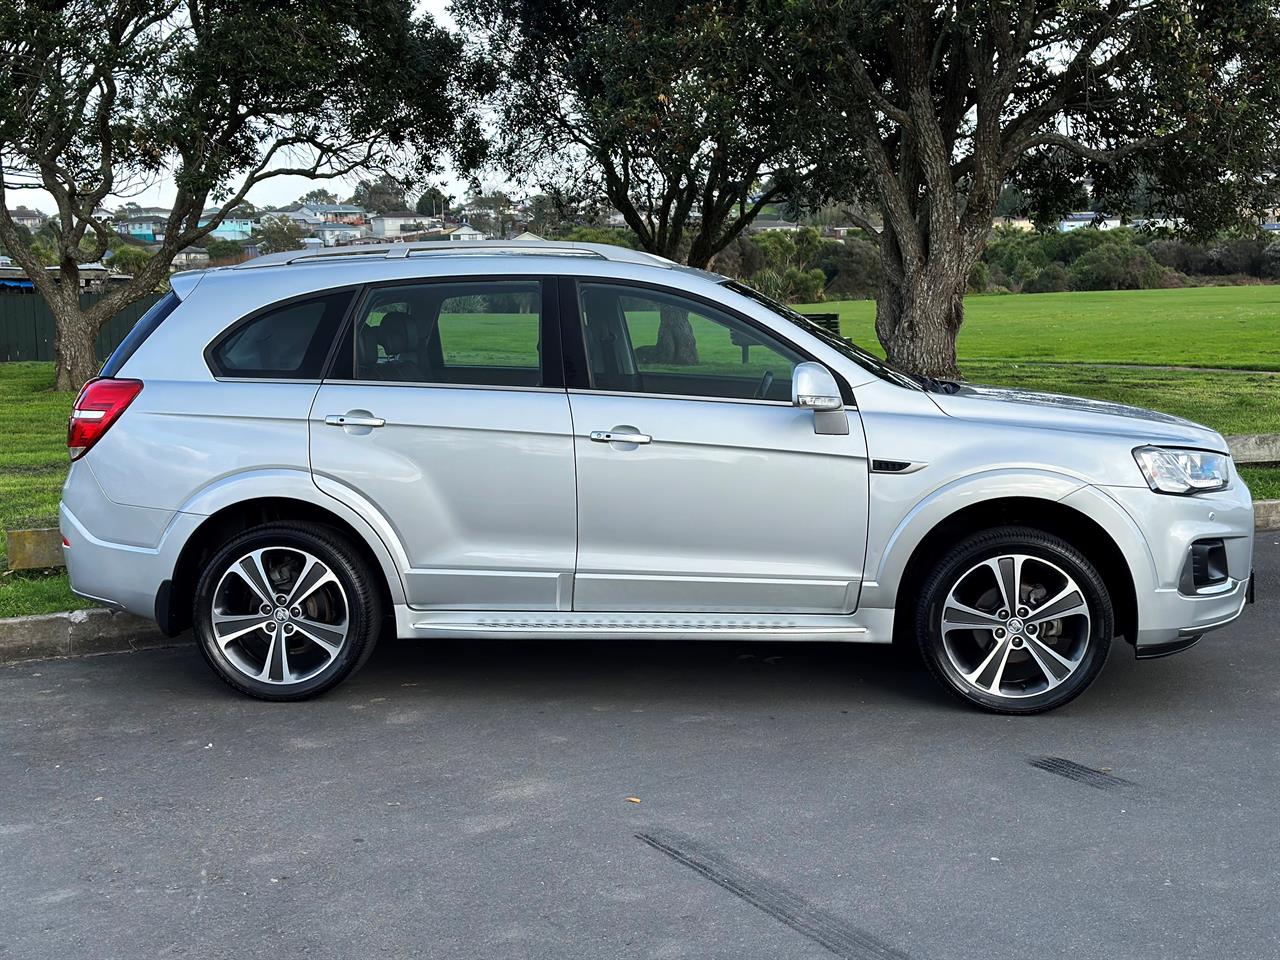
<point>889,466</point>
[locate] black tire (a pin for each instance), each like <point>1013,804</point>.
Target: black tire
<point>352,584</point>
<point>1085,643</point>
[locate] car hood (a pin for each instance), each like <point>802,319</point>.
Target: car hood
<point>1054,411</point>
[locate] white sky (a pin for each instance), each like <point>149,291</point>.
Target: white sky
<point>277,191</point>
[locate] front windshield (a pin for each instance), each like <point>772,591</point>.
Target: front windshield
<point>848,348</point>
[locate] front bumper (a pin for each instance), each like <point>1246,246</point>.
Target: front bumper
<point>1173,615</point>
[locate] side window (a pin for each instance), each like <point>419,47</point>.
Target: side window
<point>483,332</point>
<point>650,341</point>
<point>289,342</point>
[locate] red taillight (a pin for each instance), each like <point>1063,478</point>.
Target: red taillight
<point>99,406</point>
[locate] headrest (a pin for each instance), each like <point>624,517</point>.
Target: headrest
<point>393,333</point>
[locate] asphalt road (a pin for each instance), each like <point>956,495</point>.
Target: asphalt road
<point>471,800</point>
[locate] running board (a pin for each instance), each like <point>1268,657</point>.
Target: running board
<point>551,625</point>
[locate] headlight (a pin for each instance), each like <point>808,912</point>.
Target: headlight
<point>1183,471</point>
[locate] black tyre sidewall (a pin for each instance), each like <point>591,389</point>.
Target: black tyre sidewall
<point>996,543</point>
<point>363,601</point>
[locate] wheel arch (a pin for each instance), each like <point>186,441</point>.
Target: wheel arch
<point>173,604</point>
<point>1077,528</point>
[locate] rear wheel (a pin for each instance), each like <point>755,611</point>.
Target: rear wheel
<point>285,612</point>
<point>1015,620</point>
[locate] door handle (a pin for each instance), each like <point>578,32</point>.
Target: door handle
<point>609,436</point>
<point>348,420</point>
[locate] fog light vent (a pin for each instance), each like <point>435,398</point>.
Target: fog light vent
<point>1207,564</point>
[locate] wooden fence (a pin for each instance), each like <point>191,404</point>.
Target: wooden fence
<point>26,325</point>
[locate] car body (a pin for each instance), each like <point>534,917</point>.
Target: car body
<point>478,426</point>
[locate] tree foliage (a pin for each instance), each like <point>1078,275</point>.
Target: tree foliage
<point>665,108</point>
<point>100,97</point>
<point>924,111</point>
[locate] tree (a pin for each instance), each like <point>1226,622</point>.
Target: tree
<point>318,195</point>
<point>98,97</point>
<point>130,260</point>
<point>381,195</point>
<point>278,234</point>
<point>925,110</point>
<point>433,202</point>
<point>664,107</point>
<point>223,250</point>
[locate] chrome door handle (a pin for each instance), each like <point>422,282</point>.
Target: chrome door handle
<point>608,436</point>
<point>347,420</point>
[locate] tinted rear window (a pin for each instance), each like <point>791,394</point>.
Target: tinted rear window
<point>147,324</point>
<point>286,342</point>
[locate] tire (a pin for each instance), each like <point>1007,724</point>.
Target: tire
<point>990,654</point>
<point>324,634</point>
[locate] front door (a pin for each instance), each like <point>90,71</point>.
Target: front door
<point>700,487</point>
<point>448,422</point>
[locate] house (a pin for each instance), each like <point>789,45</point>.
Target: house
<point>465,231</point>
<point>391,225</point>
<point>336,233</point>
<point>33,220</point>
<point>303,216</point>
<point>334,212</point>
<point>761,224</point>
<point>1087,218</point>
<point>147,228</point>
<point>232,227</point>
<point>188,258</point>
<point>1017,223</point>
<point>526,236</point>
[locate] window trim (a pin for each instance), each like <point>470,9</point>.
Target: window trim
<point>576,352</point>
<point>551,361</point>
<point>350,289</point>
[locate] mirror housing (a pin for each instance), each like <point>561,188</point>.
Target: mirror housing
<point>814,387</point>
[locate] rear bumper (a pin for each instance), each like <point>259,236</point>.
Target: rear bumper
<point>120,575</point>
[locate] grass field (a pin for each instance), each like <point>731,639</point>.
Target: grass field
<point>1234,327</point>
<point>1062,343</point>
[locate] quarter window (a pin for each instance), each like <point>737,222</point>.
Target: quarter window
<point>478,332</point>
<point>651,341</point>
<point>289,342</point>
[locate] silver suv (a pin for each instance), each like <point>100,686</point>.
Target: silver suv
<point>509,440</point>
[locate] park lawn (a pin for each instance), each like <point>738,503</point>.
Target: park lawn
<point>1236,327</point>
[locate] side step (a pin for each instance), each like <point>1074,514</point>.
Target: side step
<point>553,625</point>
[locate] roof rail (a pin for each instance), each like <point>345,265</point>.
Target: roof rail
<point>495,248</point>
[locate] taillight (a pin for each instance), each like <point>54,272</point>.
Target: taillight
<point>99,406</point>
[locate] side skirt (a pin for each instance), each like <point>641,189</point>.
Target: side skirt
<point>865,626</point>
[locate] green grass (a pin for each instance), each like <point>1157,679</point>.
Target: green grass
<point>27,594</point>
<point>1234,327</point>
<point>1264,482</point>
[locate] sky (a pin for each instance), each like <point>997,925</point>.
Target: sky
<point>277,191</point>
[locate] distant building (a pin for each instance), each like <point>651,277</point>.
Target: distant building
<point>392,225</point>
<point>334,212</point>
<point>148,228</point>
<point>760,224</point>
<point>335,234</point>
<point>465,231</point>
<point>232,227</point>
<point>33,220</point>
<point>1087,218</point>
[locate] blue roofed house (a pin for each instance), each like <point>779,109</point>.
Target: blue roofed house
<point>233,227</point>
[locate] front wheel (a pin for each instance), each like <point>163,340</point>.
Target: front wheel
<point>1015,620</point>
<point>285,612</point>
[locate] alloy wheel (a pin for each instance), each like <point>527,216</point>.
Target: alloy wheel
<point>1015,626</point>
<point>280,615</point>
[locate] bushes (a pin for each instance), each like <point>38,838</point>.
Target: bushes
<point>1052,279</point>
<point>1116,266</point>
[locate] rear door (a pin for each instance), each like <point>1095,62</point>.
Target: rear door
<point>445,418</point>
<point>700,487</point>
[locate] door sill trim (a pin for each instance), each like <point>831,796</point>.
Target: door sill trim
<point>551,625</point>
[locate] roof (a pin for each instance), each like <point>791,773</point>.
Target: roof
<point>493,248</point>
<point>333,207</point>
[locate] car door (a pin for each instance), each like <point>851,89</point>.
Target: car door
<point>445,419</point>
<point>700,487</point>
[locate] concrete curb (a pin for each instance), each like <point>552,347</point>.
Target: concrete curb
<point>78,633</point>
<point>1266,514</point>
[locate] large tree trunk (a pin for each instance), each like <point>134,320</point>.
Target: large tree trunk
<point>74,357</point>
<point>676,343</point>
<point>920,305</point>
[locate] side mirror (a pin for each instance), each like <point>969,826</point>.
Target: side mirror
<point>814,386</point>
